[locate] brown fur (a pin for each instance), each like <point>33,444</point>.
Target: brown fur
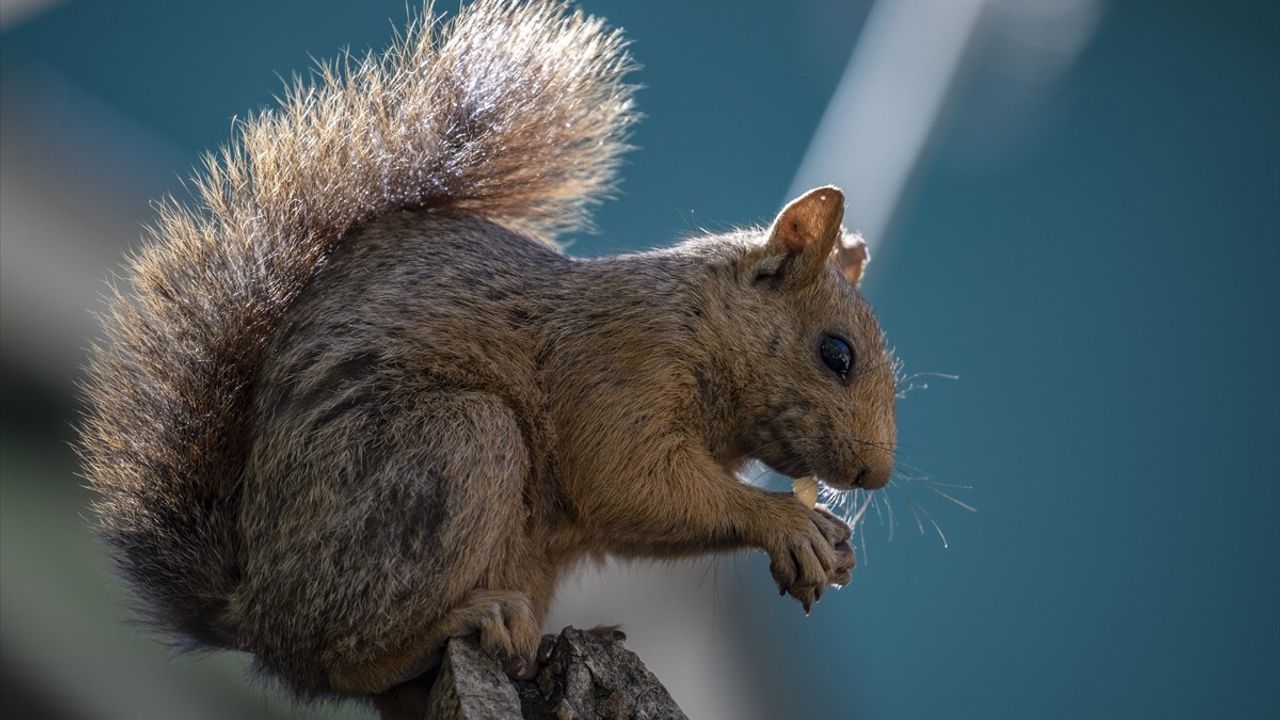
<point>360,405</point>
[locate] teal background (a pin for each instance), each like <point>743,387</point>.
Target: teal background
<point>1097,265</point>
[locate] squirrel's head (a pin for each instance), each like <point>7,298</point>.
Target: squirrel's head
<point>815,385</point>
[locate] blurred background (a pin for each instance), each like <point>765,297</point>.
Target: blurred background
<point>1074,206</point>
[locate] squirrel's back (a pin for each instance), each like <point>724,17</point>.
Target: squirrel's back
<point>514,114</point>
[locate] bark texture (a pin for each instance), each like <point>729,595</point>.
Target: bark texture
<point>586,675</point>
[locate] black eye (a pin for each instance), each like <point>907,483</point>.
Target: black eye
<point>837,355</point>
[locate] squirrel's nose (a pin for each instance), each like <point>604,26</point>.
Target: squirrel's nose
<point>873,477</point>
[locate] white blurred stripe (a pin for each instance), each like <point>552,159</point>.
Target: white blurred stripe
<point>887,104</point>
<point>13,12</point>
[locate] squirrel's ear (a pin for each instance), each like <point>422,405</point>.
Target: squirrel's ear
<point>851,256</point>
<point>802,238</point>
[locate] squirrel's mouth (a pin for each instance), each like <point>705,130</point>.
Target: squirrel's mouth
<point>790,466</point>
<point>827,488</point>
<point>797,467</point>
<point>860,477</point>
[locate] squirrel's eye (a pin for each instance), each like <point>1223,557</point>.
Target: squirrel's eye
<point>837,354</point>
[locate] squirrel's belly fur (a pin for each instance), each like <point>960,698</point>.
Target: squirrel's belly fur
<point>357,403</point>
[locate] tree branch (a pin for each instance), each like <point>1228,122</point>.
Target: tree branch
<point>589,675</point>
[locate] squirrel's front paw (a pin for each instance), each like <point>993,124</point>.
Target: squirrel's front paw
<point>810,553</point>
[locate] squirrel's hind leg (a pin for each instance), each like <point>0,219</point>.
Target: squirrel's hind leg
<point>473,460</point>
<point>504,619</point>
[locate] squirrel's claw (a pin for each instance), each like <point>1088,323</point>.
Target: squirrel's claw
<point>545,649</point>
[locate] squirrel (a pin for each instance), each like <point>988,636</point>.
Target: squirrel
<point>357,401</point>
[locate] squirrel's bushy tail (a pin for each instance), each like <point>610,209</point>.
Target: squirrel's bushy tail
<point>513,113</point>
